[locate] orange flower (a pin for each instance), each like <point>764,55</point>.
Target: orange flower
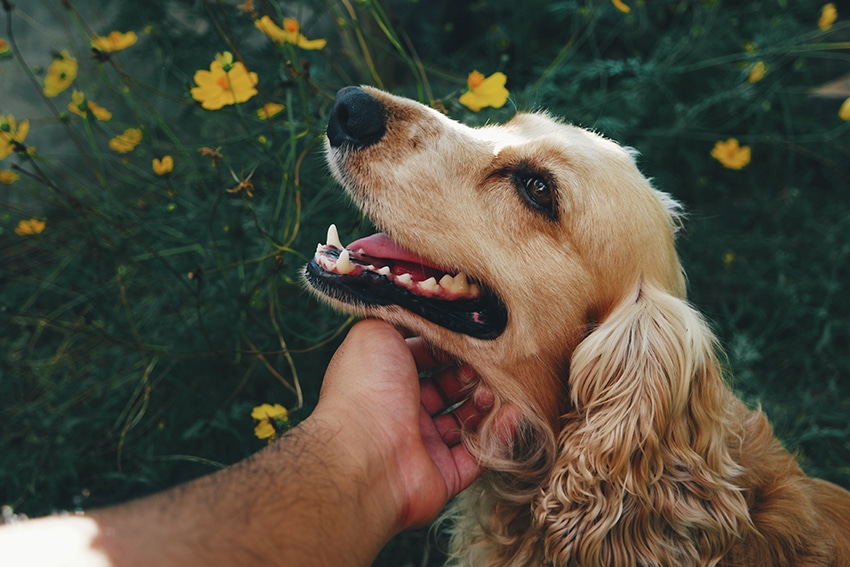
<point>81,107</point>
<point>30,227</point>
<point>489,91</point>
<point>268,110</point>
<point>730,154</point>
<point>844,111</point>
<point>289,34</point>
<point>621,6</point>
<point>7,176</point>
<point>828,15</point>
<point>757,72</point>
<point>225,83</point>
<point>126,141</point>
<point>115,41</point>
<point>163,166</point>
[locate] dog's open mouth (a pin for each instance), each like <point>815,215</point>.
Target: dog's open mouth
<point>375,271</point>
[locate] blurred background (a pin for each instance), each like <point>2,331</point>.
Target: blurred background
<point>147,306</point>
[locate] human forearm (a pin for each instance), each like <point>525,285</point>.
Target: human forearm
<point>306,500</point>
<point>291,504</point>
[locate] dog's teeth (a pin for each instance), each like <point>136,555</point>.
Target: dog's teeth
<point>333,237</point>
<point>430,285</point>
<point>344,265</point>
<point>455,284</point>
<point>384,270</point>
<point>405,280</point>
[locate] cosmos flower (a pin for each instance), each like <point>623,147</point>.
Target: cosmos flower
<point>30,227</point>
<point>126,141</point>
<point>731,154</point>
<point>80,106</point>
<point>163,166</point>
<point>7,176</point>
<point>828,15</point>
<point>288,34</point>
<point>12,135</point>
<point>269,110</point>
<point>115,41</point>
<point>489,91</point>
<point>621,6</point>
<point>60,74</point>
<point>225,83</point>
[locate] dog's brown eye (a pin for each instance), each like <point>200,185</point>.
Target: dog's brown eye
<point>539,192</point>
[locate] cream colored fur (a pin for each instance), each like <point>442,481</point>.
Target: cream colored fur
<point>632,450</point>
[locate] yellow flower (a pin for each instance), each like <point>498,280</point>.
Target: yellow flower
<point>12,135</point>
<point>730,154</point>
<point>115,41</point>
<point>29,227</point>
<point>483,92</point>
<point>5,50</point>
<point>289,34</point>
<point>828,15</point>
<point>272,418</point>
<point>268,110</point>
<point>844,111</point>
<point>7,176</point>
<point>126,141</point>
<point>265,430</point>
<point>81,107</point>
<point>163,166</point>
<point>60,74</point>
<point>757,72</point>
<point>225,83</point>
<point>621,6</point>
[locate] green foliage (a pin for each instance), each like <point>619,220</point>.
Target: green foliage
<point>153,312</point>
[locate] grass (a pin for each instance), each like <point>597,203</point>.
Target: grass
<point>152,312</point>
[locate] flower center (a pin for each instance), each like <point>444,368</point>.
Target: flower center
<point>290,25</point>
<point>475,79</point>
<point>223,82</point>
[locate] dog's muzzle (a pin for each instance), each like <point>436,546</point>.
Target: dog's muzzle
<point>357,119</point>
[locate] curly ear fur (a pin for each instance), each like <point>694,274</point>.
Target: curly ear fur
<point>644,475</point>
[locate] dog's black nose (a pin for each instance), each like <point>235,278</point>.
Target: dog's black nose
<point>357,119</point>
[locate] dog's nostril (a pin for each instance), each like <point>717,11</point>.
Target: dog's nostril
<point>357,119</point>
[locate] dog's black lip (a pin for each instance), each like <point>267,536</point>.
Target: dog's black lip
<point>484,317</point>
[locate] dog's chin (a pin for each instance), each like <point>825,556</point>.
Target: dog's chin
<point>373,273</point>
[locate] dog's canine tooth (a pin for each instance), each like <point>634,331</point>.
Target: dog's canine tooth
<point>344,265</point>
<point>430,285</point>
<point>333,237</point>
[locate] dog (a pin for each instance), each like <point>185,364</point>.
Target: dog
<point>537,253</point>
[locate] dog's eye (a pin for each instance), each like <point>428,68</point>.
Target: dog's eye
<point>538,191</point>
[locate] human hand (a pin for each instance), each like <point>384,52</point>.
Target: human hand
<point>373,390</point>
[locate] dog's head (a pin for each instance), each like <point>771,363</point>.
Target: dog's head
<point>536,252</point>
<point>503,245</point>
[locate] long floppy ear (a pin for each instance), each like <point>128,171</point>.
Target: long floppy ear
<point>643,475</point>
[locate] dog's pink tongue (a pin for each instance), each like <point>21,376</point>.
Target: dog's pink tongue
<point>380,246</point>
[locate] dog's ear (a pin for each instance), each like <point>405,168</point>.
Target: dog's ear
<point>643,475</point>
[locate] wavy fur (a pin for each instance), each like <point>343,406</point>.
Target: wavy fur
<point>632,450</point>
